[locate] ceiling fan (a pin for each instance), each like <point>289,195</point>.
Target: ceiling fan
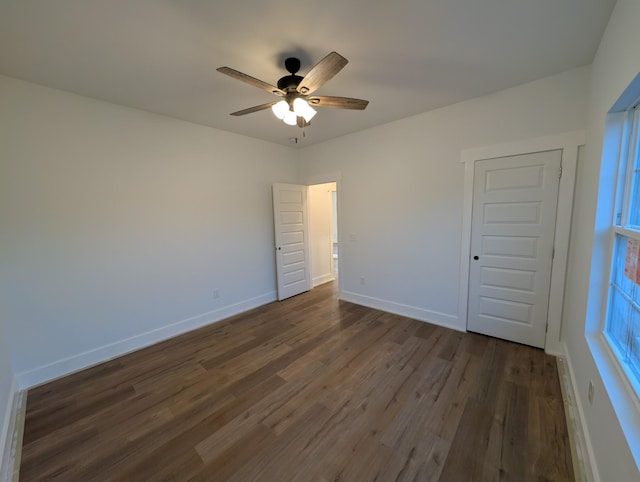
<point>295,107</point>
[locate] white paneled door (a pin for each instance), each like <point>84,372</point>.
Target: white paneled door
<point>292,239</point>
<point>512,239</point>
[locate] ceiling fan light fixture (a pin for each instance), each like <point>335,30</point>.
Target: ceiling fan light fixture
<point>280,109</point>
<point>295,106</point>
<point>302,108</point>
<point>309,114</point>
<point>290,118</point>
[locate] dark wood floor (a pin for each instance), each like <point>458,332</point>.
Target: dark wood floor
<point>309,389</point>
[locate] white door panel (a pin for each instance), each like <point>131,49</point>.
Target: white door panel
<point>512,279</point>
<point>509,311</point>
<point>510,213</point>
<point>508,247</point>
<point>512,235</point>
<point>291,239</point>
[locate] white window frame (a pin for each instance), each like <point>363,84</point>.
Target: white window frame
<point>612,379</point>
<point>630,143</point>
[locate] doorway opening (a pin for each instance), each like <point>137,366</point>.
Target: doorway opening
<point>334,230</point>
<point>323,232</point>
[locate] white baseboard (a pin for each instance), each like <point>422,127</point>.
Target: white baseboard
<point>441,319</point>
<point>11,436</point>
<point>581,448</point>
<point>80,361</point>
<point>325,278</point>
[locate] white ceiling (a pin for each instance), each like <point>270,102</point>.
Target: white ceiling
<point>405,56</point>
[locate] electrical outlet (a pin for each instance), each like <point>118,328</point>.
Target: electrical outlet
<point>362,281</point>
<point>216,293</point>
<point>590,394</point>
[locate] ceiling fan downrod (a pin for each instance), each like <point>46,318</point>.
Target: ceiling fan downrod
<point>289,83</point>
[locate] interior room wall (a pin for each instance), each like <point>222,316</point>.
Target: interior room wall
<point>616,64</point>
<point>6,374</point>
<point>320,231</point>
<point>7,391</point>
<point>401,191</point>
<point>117,226</point>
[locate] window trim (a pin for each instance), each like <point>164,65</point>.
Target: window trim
<point>620,226</point>
<point>612,379</point>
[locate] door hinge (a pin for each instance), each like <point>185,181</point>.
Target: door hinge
<point>560,172</point>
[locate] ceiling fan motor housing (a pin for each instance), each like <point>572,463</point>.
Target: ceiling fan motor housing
<point>288,83</point>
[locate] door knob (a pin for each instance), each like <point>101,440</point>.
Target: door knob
<point>476,258</point>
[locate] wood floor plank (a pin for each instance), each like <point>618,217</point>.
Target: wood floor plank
<point>268,464</point>
<point>466,455</point>
<point>308,389</point>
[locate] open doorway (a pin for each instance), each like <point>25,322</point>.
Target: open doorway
<point>334,230</point>
<point>323,232</point>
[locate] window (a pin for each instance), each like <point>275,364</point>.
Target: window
<point>622,328</point>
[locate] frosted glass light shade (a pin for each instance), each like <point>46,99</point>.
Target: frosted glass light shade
<point>290,118</point>
<point>280,109</point>
<point>302,108</point>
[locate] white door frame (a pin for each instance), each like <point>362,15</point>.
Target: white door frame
<point>337,178</point>
<point>568,143</point>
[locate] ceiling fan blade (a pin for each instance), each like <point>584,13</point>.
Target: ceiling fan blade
<point>255,108</point>
<point>338,102</point>
<point>321,73</point>
<point>251,80</point>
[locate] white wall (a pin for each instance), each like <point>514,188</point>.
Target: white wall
<point>320,232</point>
<point>7,390</point>
<point>401,191</point>
<point>615,65</point>
<point>6,376</point>
<point>116,225</point>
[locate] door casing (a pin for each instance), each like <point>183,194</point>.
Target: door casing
<point>512,237</point>
<point>569,144</point>
<point>324,178</point>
